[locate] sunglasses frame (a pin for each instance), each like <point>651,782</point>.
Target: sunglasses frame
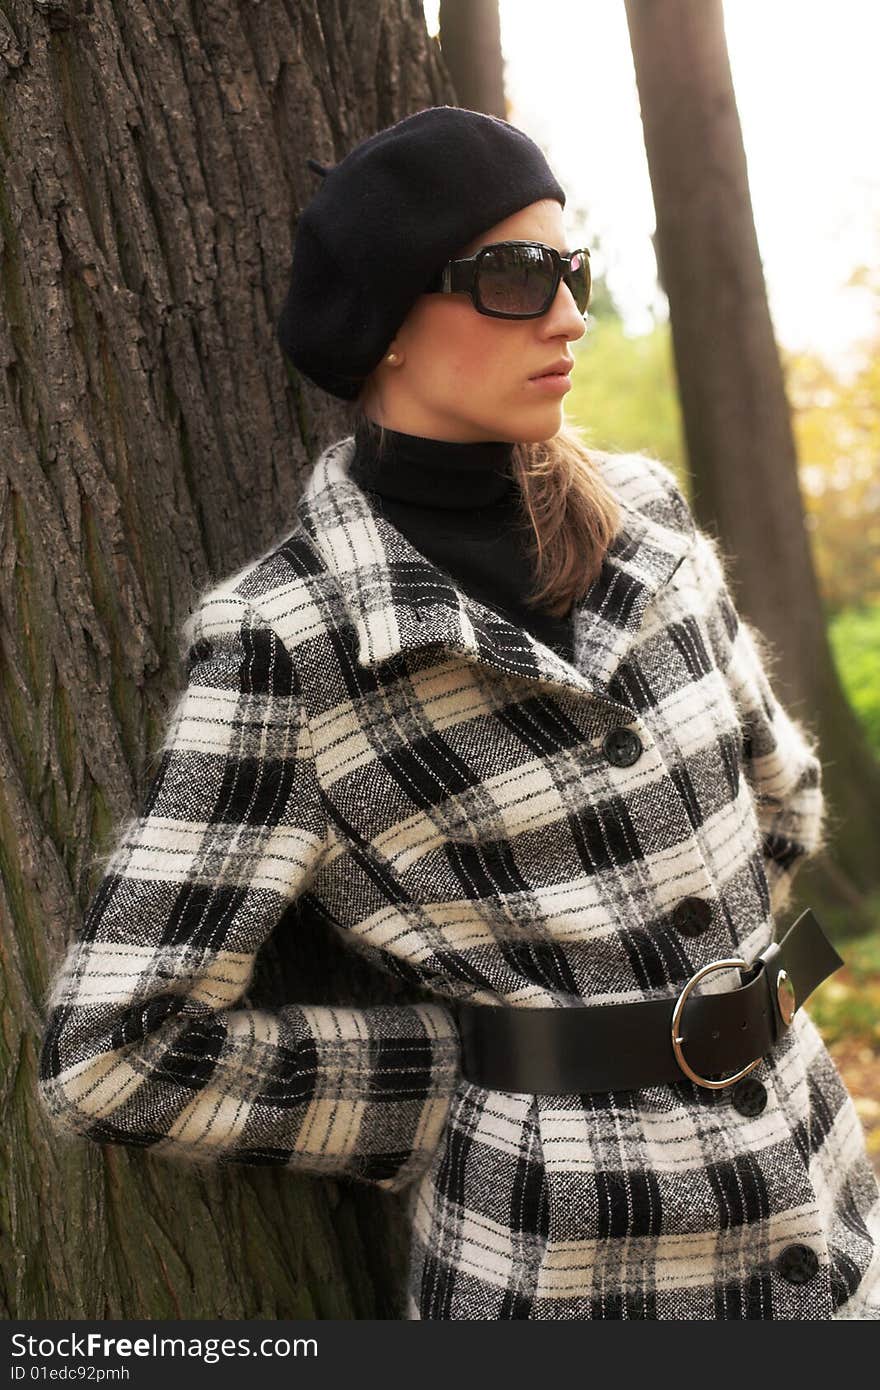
<point>460,276</point>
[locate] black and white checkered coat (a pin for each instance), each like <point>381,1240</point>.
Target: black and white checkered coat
<point>437,782</point>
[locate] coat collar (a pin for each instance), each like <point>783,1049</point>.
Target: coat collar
<point>399,601</point>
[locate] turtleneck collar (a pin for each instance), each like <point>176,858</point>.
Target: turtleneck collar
<point>433,472</point>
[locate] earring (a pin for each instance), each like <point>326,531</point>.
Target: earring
<point>392,357</point>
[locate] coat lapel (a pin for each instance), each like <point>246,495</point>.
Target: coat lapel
<point>399,601</point>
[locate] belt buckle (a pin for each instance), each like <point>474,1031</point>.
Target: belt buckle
<point>677,1039</point>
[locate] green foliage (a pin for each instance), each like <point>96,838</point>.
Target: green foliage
<point>855,641</point>
<point>848,1004</point>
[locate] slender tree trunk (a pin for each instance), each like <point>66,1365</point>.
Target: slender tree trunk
<point>470,38</point>
<point>736,417</point>
<point>154,158</point>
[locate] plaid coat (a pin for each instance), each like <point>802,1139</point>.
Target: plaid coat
<point>434,782</point>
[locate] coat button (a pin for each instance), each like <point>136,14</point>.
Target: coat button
<point>692,916</point>
<point>797,1264</point>
<point>622,747</point>
<point>749,1096</point>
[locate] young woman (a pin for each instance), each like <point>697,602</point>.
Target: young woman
<point>489,709</point>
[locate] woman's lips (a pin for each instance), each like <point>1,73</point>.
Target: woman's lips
<point>553,382</point>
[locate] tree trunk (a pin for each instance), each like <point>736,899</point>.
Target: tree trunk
<point>736,417</point>
<point>470,40</point>
<point>155,159</point>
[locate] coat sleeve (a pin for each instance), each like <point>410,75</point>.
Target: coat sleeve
<point>143,1044</point>
<point>780,755</point>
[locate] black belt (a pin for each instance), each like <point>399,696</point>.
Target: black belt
<point>622,1047</point>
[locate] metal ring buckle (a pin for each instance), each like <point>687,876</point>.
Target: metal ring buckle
<point>677,1040</point>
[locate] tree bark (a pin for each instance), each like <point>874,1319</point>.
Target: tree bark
<point>470,40</point>
<point>737,421</point>
<point>154,161</point>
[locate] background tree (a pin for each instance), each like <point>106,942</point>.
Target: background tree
<point>154,159</point>
<point>470,41</point>
<point>737,423</point>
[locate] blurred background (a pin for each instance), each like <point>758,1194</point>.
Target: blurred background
<point>641,120</point>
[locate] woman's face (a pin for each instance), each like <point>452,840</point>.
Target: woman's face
<point>464,376</point>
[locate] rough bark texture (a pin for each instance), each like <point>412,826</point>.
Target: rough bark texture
<point>736,416</point>
<point>153,440</point>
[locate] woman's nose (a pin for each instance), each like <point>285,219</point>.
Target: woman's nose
<point>565,314</point>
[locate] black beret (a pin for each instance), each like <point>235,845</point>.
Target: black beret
<point>384,220</point>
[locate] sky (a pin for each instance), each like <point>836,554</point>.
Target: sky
<point>804,75</point>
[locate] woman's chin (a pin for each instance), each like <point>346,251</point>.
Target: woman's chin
<point>541,425</point>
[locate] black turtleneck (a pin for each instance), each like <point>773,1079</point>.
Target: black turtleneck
<point>458,504</point>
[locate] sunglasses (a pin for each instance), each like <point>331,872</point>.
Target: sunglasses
<point>516,279</point>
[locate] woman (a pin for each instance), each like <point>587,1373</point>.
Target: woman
<point>489,709</point>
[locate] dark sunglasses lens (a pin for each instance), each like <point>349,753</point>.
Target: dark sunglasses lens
<point>515,279</point>
<point>579,280</point>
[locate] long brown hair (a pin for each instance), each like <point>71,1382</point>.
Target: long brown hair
<point>567,508</point>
